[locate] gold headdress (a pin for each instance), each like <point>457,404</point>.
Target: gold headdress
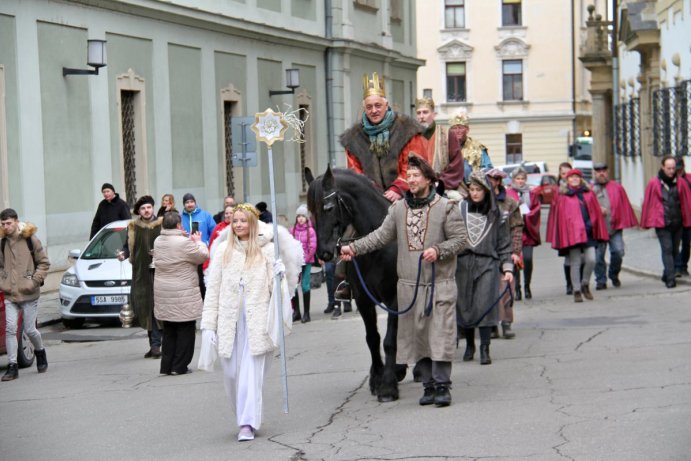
<point>247,207</point>
<point>459,118</point>
<point>424,102</point>
<point>374,87</point>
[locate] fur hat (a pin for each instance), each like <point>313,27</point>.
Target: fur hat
<point>415,161</point>
<point>188,196</point>
<point>144,199</point>
<point>302,211</point>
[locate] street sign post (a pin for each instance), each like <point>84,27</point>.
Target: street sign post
<point>244,146</point>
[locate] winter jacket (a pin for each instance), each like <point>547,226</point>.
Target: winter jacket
<point>304,233</point>
<point>109,212</point>
<point>230,285</point>
<point>20,279</point>
<point>205,220</point>
<point>176,284</point>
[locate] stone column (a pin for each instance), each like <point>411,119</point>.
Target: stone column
<point>602,126</point>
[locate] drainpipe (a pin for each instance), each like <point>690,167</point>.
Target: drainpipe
<point>328,70</point>
<point>573,79</point>
<point>615,86</point>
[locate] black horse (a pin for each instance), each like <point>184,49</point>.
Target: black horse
<point>340,198</point>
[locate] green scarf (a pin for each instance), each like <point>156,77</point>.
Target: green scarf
<point>418,202</point>
<point>379,134</point>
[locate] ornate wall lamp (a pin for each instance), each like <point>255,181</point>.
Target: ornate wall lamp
<point>292,82</point>
<point>95,57</point>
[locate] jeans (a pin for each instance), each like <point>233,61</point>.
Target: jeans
<point>681,264</point>
<point>30,309</point>
<point>669,238</point>
<point>616,255</point>
<point>329,274</point>
<point>306,277</point>
<point>587,255</point>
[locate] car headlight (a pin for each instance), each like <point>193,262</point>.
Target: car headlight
<point>70,280</point>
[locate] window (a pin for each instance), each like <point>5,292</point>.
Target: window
<point>511,12</point>
<point>512,77</point>
<point>454,14</point>
<point>514,148</point>
<point>455,82</point>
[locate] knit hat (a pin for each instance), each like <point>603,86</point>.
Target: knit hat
<point>188,196</point>
<point>574,171</point>
<point>261,206</point>
<point>107,185</point>
<point>302,211</point>
<point>496,173</point>
<point>143,200</point>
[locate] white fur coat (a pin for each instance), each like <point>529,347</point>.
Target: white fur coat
<point>228,286</point>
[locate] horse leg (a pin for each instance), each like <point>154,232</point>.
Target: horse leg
<point>369,317</point>
<point>388,392</point>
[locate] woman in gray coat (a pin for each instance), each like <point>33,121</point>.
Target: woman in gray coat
<point>485,257</point>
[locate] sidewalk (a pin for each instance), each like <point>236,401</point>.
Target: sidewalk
<point>643,254</point>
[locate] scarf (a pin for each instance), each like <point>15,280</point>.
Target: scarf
<point>429,131</point>
<point>379,134</point>
<point>480,207</point>
<point>418,202</point>
<point>523,193</point>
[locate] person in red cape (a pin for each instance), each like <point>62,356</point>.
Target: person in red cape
<point>667,209</point>
<point>578,228</point>
<point>564,168</point>
<point>220,227</point>
<point>681,265</point>
<point>529,207</point>
<point>618,215</point>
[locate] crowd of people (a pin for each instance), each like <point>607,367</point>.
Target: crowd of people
<point>450,209</point>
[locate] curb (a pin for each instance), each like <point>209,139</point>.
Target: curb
<point>49,322</point>
<point>653,275</point>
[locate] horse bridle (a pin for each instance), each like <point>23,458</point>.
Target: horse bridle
<point>343,209</point>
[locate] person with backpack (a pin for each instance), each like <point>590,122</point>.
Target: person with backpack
<point>24,266</point>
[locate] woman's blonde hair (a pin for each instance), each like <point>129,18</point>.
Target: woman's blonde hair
<point>171,197</point>
<point>254,252</point>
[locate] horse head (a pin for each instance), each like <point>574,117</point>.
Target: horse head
<point>330,217</point>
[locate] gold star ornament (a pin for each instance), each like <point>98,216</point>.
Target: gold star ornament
<point>269,126</point>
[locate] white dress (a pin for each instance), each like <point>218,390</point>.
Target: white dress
<point>243,376</point>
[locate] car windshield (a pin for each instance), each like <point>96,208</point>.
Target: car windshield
<point>106,244</point>
<point>533,180</point>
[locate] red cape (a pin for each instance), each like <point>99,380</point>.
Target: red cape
<point>531,221</point>
<point>622,214</point>
<point>568,227</point>
<point>653,214</point>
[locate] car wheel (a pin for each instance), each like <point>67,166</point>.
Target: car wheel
<point>73,323</point>
<point>25,350</point>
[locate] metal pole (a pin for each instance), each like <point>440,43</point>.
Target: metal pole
<point>245,171</point>
<point>277,285</point>
<point>615,89</point>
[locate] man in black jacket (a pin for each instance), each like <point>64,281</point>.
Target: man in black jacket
<point>112,208</point>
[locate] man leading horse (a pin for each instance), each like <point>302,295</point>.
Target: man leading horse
<point>426,227</point>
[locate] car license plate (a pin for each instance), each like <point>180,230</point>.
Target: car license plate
<point>108,300</point>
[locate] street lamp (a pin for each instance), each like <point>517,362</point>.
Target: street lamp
<point>95,57</point>
<point>292,82</point>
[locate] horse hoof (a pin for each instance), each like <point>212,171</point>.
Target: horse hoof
<point>386,398</point>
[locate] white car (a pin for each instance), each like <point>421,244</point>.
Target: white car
<point>97,285</point>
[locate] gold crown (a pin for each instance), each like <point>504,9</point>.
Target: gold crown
<point>459,118</point>
<point>374,87</point>
<point>247,207</point>
<point>424,102</point>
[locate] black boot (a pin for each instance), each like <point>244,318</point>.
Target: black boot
<point>41,360</point>
<point>518,296</point>
<point>506,328</point>
<point>428,397</point>
<point>484,355</point>
<point>469,334</point>
<point>567,276</point>
<point>337,311</point>
<point>329,308</point>
<point>296,307</point>
<point>306,308</point>
<point>11,373</point>
<point>442,396</point>
<point>347,306</point>
<point>528,294</point>
<point>517,279</point>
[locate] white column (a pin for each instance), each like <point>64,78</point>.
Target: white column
<point>162,124</point>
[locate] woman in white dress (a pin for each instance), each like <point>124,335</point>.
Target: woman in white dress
<point>235,315</point>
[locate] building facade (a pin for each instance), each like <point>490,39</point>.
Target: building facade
<point>512,64</point>
<point>651,112</point>
<point>156,118</point>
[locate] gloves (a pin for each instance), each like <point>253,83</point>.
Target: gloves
<point>279,267</point>
<point>210,336</point>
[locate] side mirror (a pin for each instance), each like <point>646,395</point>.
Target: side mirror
<point>74,254</point>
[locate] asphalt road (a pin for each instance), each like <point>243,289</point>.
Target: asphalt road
<point>608,379</point>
